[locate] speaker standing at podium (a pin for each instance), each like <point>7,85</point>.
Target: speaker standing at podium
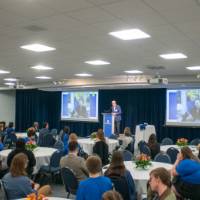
<point>116,111</point>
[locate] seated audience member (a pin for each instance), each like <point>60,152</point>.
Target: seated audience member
<point>125,138</point>
<point>81,153</point>
<point>46,139</point>
<point>17,184</point>
<point>36,126</point>
<point>93,187</point>
<point>160,184</point>
<point>186,172</point>
<point>74,162</point>
<point>112,195</point>
<point>65,138</point>
<point>10,134</point>
<point>10,128</point>
<point>117,169</point>
<point>101,148</point>
<point>2,129</point>
<point>65,132</point>
<point>153,145</point>
<point>31,133</point>
<point>44,131</point>
<point>20,148</point>
<point>1,145</point>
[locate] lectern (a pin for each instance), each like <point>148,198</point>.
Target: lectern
<point>108,124</point>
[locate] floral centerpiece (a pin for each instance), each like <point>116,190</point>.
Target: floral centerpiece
<point>182,142</point>
<point>33,196</point>
<point>143,161</point>
<point>93,135</point>
<point>31,145</point>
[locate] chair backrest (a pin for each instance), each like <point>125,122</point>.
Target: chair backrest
<point>195,141</point>
<point>167,141</point>
<point>69,179</point>
<point>127,155</point>
<point>172,152</point>
<point>113,136</point>
<point>120,185</point>
<point>59,145</point>
<point>141,144</point>
<point>131,146</point>
<point>54,132</point>
<point>47,140</point>
<point>5,193</point>
<point>55,159</point>
<point>162,157</point>
<point>145,150</point>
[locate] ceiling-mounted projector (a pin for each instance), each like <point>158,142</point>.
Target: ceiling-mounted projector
<point>158,81</point>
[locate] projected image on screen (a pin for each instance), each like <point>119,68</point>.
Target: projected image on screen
<point>79,106</point>
<point>183,107</point>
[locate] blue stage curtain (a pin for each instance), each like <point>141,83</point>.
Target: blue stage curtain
<point>138,106</point>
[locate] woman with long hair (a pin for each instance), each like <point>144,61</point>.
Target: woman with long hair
<point>153,145</point>
<point>126,139</point>
<point>118,169</point>
<point>186,172</point>
<point>17,183</point>
<point>112,195</point>
<point>101,148</point>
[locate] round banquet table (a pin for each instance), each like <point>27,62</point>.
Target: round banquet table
<point>50,198</point>
<point>192,147</point>
<point>87,144</point>
<point>24,135</point>
<point>42,156</point>
<point>141,176</point>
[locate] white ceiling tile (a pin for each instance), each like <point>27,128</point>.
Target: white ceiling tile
<point>101,2</point>
<point>135,12</point>
<point>66,5</point>
<point>92,15</point>
<point>29,9</point>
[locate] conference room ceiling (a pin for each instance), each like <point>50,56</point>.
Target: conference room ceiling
<point>78,29</point>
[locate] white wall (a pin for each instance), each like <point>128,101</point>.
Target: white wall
<point>7,105</point>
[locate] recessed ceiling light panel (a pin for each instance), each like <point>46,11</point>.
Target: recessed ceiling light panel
<point>38,47</point>
<point>133,72</point>
<point>10,79</point>
<point>4,72</point>
<point>172,56</point>
<point>193,68</point>
<point>9,84</point>
<point>84,75</point>
<point>130,34</point>
<point>97,62</point>
<point>43,77</point>
<point>41,67</point>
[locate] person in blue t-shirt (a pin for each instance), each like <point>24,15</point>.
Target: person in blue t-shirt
<point>187,172</point>
<point>96,185</point>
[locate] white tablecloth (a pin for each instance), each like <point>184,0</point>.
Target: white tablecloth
<point>193,148</point>
<point>87,144</point>
<point>42,156</point>
<point>143,134</point>
<point>141,176</point>
<point>24,135</point>
<point>50,198</point>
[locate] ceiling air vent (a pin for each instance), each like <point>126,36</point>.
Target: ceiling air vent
<point>156,68</point>
<point>35,28</point>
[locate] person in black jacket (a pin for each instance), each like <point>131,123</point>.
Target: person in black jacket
<point>20,148</point>
<point>101,148</point>
<point>153,145</point>
<point>121,177</point>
